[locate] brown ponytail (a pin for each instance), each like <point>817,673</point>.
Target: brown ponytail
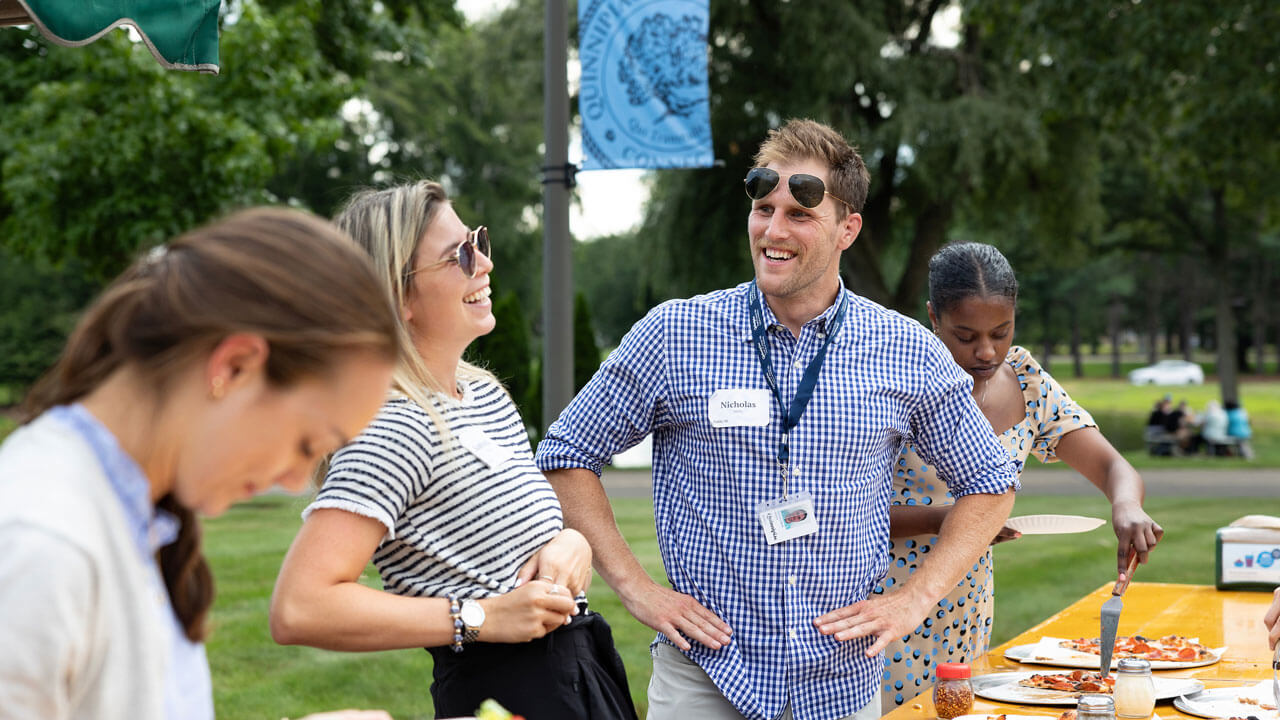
<point>186,572</point>
<point>290,277</point>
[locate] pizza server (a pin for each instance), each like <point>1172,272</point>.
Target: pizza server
<point>1111,614</point>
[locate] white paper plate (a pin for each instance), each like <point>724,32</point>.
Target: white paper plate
<point>1004,687</point>
<point>1053,524</point>
<point>1086,661</point>
<point>1225,703</point>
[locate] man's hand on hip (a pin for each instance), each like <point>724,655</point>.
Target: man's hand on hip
<point>676,615</point>
<point>887,617</point>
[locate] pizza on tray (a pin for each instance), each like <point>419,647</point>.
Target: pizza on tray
<point>1075,682</point>
<point>1171,648</point>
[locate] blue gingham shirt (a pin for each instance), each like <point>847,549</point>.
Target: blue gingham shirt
<point>885,379</point>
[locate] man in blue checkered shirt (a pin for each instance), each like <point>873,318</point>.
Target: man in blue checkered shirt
<point>777,408</point>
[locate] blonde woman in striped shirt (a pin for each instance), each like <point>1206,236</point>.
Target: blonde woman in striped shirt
<point>442,494</point>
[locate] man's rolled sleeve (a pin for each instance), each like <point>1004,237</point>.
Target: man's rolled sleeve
<point>952,434</point>
<point>617,407</point>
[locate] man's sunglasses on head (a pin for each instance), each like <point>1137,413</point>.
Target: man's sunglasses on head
<point>465,254</point>
<point>808,190</point>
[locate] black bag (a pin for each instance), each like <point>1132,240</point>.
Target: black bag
<point>573,673</point>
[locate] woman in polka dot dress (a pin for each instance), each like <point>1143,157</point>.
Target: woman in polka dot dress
<point>972,298</point>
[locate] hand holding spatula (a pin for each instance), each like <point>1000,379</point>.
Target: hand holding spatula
<point>1111,613</point>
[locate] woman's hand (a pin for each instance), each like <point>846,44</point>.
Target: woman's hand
<point>565,561</point>
<point>1134,528</point>
<point>526,613</point>
<point>1272,620</point>
<point>1005,535</point>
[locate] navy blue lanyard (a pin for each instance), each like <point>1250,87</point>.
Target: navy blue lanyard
<point>808,381</point>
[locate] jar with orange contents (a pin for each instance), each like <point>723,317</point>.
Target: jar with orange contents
<point>952,693</point>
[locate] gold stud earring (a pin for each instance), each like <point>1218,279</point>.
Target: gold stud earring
<point>217,388</point>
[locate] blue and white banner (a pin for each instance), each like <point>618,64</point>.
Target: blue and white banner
<point>644,100</point>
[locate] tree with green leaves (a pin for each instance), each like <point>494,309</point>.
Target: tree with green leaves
<point>934,120</point>
<point>507,352</point>
<point>104,152</point>
<point>1186,99</point>
<point>586,352</point>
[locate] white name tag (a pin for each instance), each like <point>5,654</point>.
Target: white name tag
<point>787,518</point>
<point>739,407</point>
<point>483,447</point>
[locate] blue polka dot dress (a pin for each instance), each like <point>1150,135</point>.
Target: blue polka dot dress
<point>959,627</point>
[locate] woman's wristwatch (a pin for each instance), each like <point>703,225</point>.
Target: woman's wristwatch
<point>467,617</point>
<point>472,615</point>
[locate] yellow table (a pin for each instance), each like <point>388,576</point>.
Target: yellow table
<point>1218,618</point>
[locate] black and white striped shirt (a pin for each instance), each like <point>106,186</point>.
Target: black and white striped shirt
<point>463,510</point>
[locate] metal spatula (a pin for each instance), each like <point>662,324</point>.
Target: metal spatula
<point>1111,614</point>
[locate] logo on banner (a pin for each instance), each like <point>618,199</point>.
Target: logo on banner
<point>644,98</point>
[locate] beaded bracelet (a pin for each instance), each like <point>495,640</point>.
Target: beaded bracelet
<point>455,614</point>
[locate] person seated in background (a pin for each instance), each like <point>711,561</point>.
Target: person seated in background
<point>1160,413</point>
<point>1238,428</point>
<point>1159,440</point>
<point>1175,424</point>
<point>1213,429</point>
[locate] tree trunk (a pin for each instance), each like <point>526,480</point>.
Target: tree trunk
<point>930,232</point>
<point>1077,362</point>
<point>1261,271</point>
<point>1225,325</point>
<point>1113,327</point>
<point>1046,322</point>
<point>1186,324</point>
<point>1153,333</point>
<point>861,263</point>
<point>1276,334</point>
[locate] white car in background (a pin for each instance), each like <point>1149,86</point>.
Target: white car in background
<point>1168,372</point>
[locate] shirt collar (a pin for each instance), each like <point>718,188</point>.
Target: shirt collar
<point>151,527</point>
<point>825,318</point>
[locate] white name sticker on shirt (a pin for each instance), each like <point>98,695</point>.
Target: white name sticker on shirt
<point>787,518</point>
<point>738,407</point>
<point>483,447</point>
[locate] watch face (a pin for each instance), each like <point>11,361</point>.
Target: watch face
<point>472,614</point>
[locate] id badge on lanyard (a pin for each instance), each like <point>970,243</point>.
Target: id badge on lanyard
<point>788,516</point>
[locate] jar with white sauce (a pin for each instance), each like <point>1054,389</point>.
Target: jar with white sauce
<point>1135,692</point>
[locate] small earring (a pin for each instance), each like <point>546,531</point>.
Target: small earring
<point>935,332</point>
<point>216,388</point>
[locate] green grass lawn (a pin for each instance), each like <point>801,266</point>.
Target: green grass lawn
<point>254,678</point>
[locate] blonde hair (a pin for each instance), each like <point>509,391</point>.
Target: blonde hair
<point>808,139</point>
<point>285,275</point>
<point>389,224</point>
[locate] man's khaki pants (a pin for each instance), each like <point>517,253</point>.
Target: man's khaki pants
<point>680,690</point>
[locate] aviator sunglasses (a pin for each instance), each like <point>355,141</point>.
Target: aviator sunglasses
<point>465,254</point>
<point>808,190</point>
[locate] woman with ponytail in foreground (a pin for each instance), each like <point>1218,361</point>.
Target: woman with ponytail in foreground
<point>214,368</point>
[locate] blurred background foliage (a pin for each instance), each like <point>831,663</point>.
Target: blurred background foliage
<point>1122,153</point>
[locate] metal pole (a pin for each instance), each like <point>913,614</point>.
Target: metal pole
<point>557,178</point>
